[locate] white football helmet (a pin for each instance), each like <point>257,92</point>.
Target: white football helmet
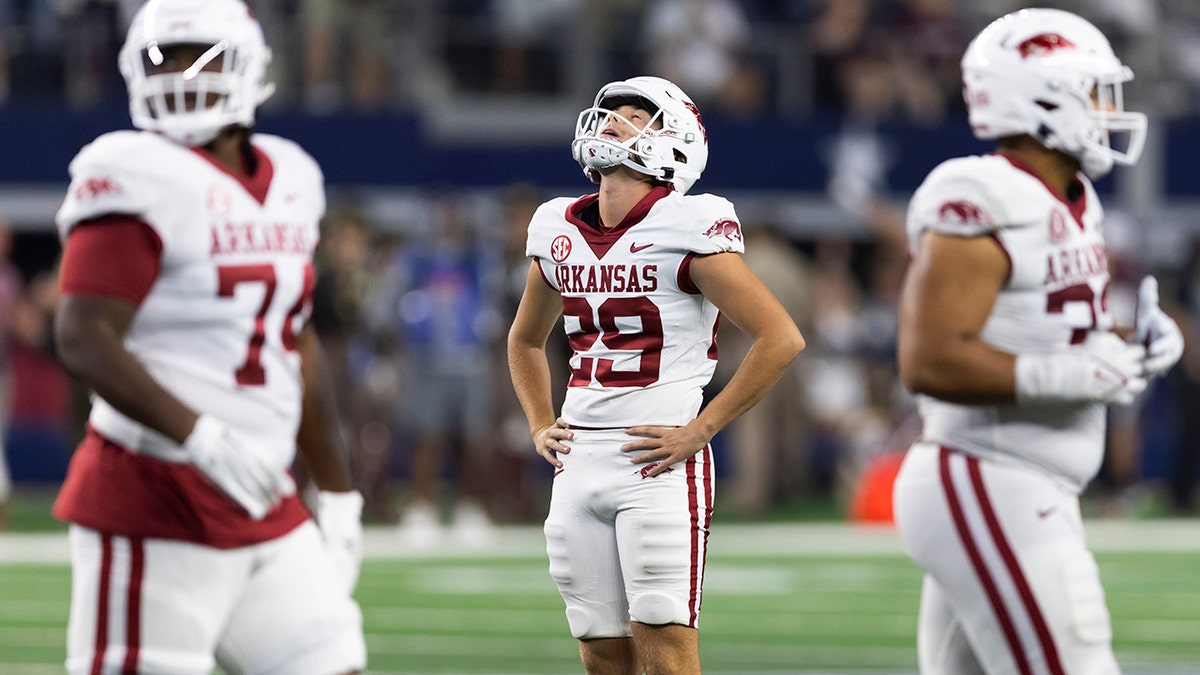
<point>674,153</point>
<point>1052,75</point>
<point>193,105</point>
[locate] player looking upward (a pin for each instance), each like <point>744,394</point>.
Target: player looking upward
<point>187,280</point>
<point>640,272</point>
<point>1007,337</point>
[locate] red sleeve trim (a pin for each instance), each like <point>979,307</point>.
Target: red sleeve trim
<point>117,256</point>
<point>543,273</point>
<point>684,277</point>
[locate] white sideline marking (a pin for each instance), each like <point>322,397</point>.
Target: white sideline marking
<point>729,540</point>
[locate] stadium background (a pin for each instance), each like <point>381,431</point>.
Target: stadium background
<point>822,117</point>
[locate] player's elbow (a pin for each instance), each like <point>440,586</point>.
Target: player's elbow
<point>793,342</point>
<point>72,346</point>
<point>920,372</point>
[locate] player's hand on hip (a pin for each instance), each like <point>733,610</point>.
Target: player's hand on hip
<point>548,441</point>
<point>1106,369</point>
<point>664,445</point>
<point>1156,331</point>
<point>246,476</point>
<point>339,515</point>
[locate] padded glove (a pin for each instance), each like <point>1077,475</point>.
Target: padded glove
<point>1156,331</point>
<point>1105,370</point>
<point>339,514</point>
<point>227,459</point>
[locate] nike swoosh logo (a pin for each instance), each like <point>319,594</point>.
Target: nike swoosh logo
<point>634,248</point>
<point>1042,513</point>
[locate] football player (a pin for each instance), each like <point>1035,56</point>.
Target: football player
<point>1007,337</point>
<point>187,279</point>
<point>640,272</point>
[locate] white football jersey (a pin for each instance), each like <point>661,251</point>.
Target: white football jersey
<point>643,337</point>
<point>218,328</point>
<point>1053,300</point>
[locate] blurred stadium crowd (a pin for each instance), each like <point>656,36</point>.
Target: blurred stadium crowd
<point>414,318</point>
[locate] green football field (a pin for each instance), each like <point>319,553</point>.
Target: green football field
<point>778,599</point>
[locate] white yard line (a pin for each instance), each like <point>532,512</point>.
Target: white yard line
<point>782,539</point>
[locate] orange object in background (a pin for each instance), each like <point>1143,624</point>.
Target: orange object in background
<point>872,500</point>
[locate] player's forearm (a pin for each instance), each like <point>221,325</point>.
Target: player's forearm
<point>530,371</point>
<point>92,351</point>
<point>318,440</point>
<point>964,370</point>
<point>765,363</point>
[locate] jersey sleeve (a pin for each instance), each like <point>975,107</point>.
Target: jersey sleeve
<point>959,198</point>
<point>89,266</point>
<point>713,226</point>
<point>104,182</point>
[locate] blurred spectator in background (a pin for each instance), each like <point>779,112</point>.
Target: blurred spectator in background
<point>526,476</point>
<point>835,378</point>
<point>92,32</point>
<point>883,60</point>
<point>10,293</point>
<point>702,45</point>
<point>30,49</point>
<point>768,446</point>
<point>41,404</point>
<point>1185,461</point>
<point>440,294</point>
<point>345,55</point>
<point>529,34</point>
<point>346,264</point>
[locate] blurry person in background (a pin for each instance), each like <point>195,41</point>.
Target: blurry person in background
<point>10,292</point>
<point>440,298</point>
<point>189,545</point>
<point>703,45</point>
<point>345,55</point>
<point>639,273</point>
<point>346,264</point>
<point>768,445</point>
<point>1008,340</point>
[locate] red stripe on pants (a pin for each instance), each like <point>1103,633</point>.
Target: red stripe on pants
<point>102,604</point>
<point>1014,570</point>
<point>985,577</point>
<point>133,605</point>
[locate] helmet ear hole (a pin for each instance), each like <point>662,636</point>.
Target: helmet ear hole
<point>680,157</point>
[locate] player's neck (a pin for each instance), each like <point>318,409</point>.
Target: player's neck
<point>618,195</point>
<point>1056,169</point>
<point>229,150</point>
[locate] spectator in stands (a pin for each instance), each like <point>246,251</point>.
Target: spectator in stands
<point>345,54</point>
<point>768,446</point>
<point>345,268</point>
<point>10,294</point>
<point>702,46</point>
<point>1186,457</point>
<point>440,296</point>
<point>525,31</point>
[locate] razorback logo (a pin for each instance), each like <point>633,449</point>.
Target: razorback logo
<point>699,120</point>
<point>1043,44</point>
<point>963,212</point>
<point>725,227</point>
<point>96,186</point>
<point>644,472</point>
<point>560,248</point>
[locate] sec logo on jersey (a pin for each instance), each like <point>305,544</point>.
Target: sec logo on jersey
<point>560,248</point>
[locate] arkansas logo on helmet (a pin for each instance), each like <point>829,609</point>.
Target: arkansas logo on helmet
<point>1041,45</point>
